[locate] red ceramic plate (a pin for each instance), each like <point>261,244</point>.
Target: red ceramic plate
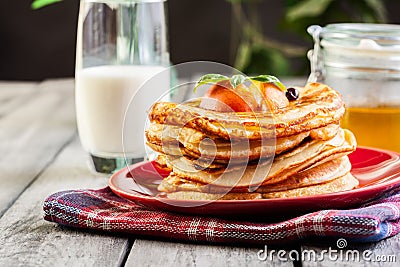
<point>377,171</point>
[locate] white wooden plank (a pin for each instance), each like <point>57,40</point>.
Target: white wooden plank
<point>27,240</point>
<point>157,253</point>
<point>13,95</point>
<point>36,124</point>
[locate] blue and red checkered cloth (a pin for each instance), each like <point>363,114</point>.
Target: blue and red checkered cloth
<point>105,211</point>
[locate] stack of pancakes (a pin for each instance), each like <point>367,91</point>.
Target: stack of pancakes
<point>298,150</point>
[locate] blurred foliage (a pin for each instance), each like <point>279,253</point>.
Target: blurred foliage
<point>255,53</point>
<point>36,4</point>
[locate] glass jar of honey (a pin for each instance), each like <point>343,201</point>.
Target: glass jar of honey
<point>362,62</point>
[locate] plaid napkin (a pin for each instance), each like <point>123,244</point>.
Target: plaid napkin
<point>103,210</point>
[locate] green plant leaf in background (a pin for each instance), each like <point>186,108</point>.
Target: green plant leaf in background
<point>243,55</point>
<point>378,8</point>
<point>302,13</point>
<point>36,4</point>
<point>307,8</point>
<point>266,60</point>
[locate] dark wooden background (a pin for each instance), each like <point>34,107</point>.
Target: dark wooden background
<point>40,44</point>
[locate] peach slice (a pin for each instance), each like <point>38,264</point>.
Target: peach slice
<point>274,97</point>
<point>258,96</point>
<point>221,97</point>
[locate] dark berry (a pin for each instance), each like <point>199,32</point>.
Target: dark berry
<point>292,94</point>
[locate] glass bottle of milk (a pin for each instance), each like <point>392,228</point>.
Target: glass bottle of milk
<point>121,69</point>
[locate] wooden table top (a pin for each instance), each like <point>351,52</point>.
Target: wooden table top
<point>41,154</point>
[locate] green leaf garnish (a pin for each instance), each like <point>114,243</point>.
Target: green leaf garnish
<point>269,79</point>
<point>237,79</point>
<point>210,78</point>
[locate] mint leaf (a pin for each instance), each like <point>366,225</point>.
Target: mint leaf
<point>210,78</point>
<point>235,80</point>
<point>269,79</point>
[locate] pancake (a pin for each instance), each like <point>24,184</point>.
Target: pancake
<point>318,174</point>
<point>343,183</point>
<point>318,106</point>
<point>167,139</point>
<point>346,182</point>
<point>161,161</point>
<point>296,150</point>
<point>302,157</point>
<point>199,145</point>
<point>185,195</point>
